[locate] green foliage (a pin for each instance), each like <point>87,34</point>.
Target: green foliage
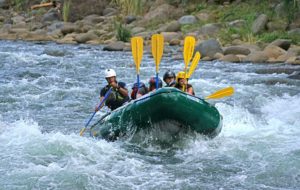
<point>122,33</point>
<point>291,7</point>
<point>66,10</point>
<point>269,37</point>
<point>130,7</point>
<point>20,4</point>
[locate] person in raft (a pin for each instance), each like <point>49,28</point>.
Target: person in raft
<point>182,83</point>
<point>138,92</point>
<point>152,84</point>
<point>169,78</point>
<point>119,94</point>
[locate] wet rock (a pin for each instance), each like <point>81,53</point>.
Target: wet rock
<point>259,24</point>
<point>282,43</point>
<point>294,60</point>
<point>187,19</point>
<point>114,46</point>
<point>55,53</point>
<point>209,48</point>
<point>235,50</point>
<point>230,58</point>
<point>175,42</point>
<point>256,57</point>
<point>218,56</point>
<point>295,75</point>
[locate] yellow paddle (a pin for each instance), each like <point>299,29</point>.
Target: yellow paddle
<point>188,51</point>
<point>137,48</point>
<point>157,45</point>
<point>221,93</point>
<point>194,64</point>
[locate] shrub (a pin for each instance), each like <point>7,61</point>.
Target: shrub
<point>122,33</point>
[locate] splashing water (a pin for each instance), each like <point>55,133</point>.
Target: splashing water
<point>48,92</point>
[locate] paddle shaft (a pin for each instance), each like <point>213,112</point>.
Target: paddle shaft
<point>103,100</point>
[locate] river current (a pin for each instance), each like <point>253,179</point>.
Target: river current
<point>49,91</point>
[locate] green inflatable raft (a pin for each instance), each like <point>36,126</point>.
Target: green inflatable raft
<point>170,107</point>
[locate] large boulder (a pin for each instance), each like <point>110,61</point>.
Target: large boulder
<point>259,24</point>
<point>209,48</point>
<point>187,19</point>
<point>282,43</point>
<point>114,46</point>
<point>274,51</point>
<point>163,13</point>
<point>80,8</point>
<point>237,50</point>
<point>256,57</point>
<point>210,29</point>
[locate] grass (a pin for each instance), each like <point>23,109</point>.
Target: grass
<point>66,10</point>
<point>130,7</point>
<point>122,33</point>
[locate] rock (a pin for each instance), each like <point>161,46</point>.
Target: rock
<point>237,23</point>
<point>109,11</point>
<point>17,19</point>
<point>187,19</point>
<point>282,43</point>
<point>55,26</point>
<point>173,26</point>
<point>68,39</point>
<point>136,30</point>
<point>20,25</point>
<point>259,24</point>
<point>293,60</point>
<point>274,51</point>
<point>168,36</point>
<point>175,42</point>
<point>210,29</point>
<point>93,19</point>
<point>209,48</point>
<point>218,56</point>
<point>80,9</point>
<point>2,18</point>
<point>51,16</point>
<point>4,4</point>
<point>129,19</point>
<point>278,25</point>
<point>230,58</point>
<point>82,38</point>
<point>235,36</point>
<point>256,57</point>
<point>203,16</point>
<point>162,13</point>
<point>235,50</point>
<point>114,46</point>
<point>68,28</point>
<point>295,75</point>
<point>295,50</point>
<point>295,31</point>
<point>283,58</point>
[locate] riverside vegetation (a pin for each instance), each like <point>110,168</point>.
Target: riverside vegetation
<point>228,30</point>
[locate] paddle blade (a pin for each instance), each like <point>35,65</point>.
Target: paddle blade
<point>157,43</point>
<point>137,48</point>
<point>188,49</point>
<point>194,64</point>
<point>82,131</point>
<point>221,93</point>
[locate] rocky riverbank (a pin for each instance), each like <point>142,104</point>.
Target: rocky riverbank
<point>217,38</point>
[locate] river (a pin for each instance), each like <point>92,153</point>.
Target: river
<point>49,91</point>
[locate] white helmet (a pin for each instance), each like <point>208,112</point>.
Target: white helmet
<point>110,73</point>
